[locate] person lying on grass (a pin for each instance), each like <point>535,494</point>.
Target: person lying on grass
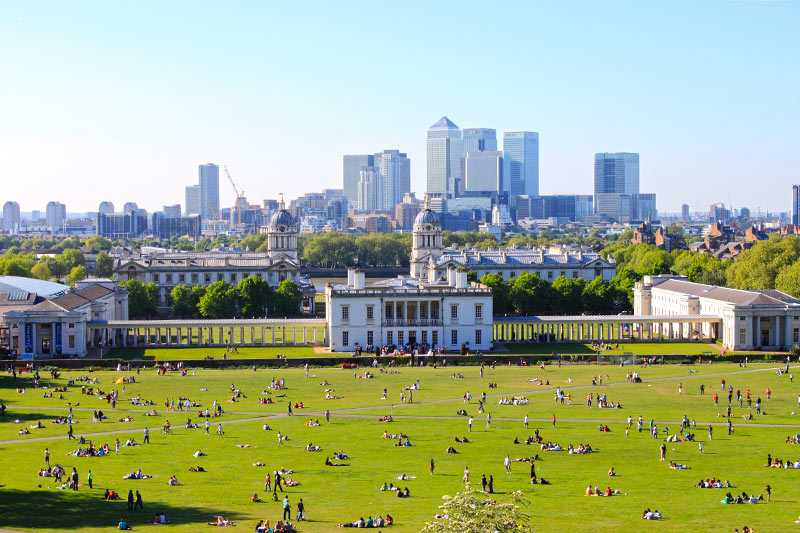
<point>220,521</point>
<point>655,514</point>
<point>677,466</point>
<point>370,522</point>
<point>328,462</point>
<point>712,483</point>
<point>137,475</point>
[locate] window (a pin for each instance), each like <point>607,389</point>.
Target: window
<point>478,311</point>
<point>434,338</point>
<point>454,311</point>
<point>598,273</point>
<point>168,277</point>
<point>208,278</point>
<point>435,310</point>
<point>400,338</point>
<point>389,311</point>
<point>389,338</point>
<point>370,313</point>
<point>71,341</point>
<point>454,336</point>
<point>220,276</point>
<point>742,318</point>
<point>478,337</point>
<point>574,273</point>
<point>369,338</point>
<point>345,338</point>
<point>549,274</point>
<point>71,325</point>
<point>742,336</point>
<point>182,278</point>
<point>796,335</point>
<point>194,278</point>
<point>345,313</point>
<point>424,336</point>
<point>513,274</point>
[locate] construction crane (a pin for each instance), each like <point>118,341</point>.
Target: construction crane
<point>240,199</point>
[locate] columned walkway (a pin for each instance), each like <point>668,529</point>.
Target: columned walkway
<point>605,328</point>
<point>174,333</point>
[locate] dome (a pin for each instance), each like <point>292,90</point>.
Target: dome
<point>281,217</point>
<point>426,216</point>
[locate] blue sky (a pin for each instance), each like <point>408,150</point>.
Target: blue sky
<point>122,100</point>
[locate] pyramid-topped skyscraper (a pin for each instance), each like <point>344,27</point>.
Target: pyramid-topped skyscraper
<point>445,158</point>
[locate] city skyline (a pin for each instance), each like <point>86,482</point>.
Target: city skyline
<point>133,117</point>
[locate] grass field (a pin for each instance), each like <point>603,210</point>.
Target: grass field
<point>332,495</point>
<point>245,352</point>
<point>635,348</point>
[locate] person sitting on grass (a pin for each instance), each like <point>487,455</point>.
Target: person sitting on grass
<point>173,481</point>
<point>123,524</point>
<point>651,515</point>
<point>197,468</point>
<point>220,521</point>
<point>255,499</point>
<point>110,495</point>
<point>328,462</point>
<point>159,519</point>
<point>403,493</point>
<point>677,466</point>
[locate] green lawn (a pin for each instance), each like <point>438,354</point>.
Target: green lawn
<point>245,352</point>
<point>332,495</point>
<point>635,348</point>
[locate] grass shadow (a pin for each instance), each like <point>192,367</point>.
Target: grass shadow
<point>68,510</point>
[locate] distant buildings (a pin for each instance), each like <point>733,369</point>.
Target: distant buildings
<point>616,188</point>
<point>394,170</point>
<point>376,181</point>
<point>121,225</point>
<point>192,200</point>
<point>172,211</point>
<point>209,191</point>
<point>569,207</point>
<point>56,214</point>
<point>479,140</point>
<point>796,205</point>
<point>484,172</point>
<point>521,163</point>
<point>351,174</point>
<point>685,216</point>
<point>657,236</point>
<point>11,217</point>
<point>106,208</point>
<point>370,190</point>
<point>445,147</point>
<point>167,225</point>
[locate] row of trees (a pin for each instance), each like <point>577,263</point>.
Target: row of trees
<point>252,297</point>
<point>330,250</point>
<point>68,266</point>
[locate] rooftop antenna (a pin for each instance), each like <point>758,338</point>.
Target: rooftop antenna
<point>281,203</point>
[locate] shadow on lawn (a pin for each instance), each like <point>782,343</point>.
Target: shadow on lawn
<point>53,510</point>
<point>129,354</point>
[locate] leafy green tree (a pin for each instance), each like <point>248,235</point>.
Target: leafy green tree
<point>329,250</point>
<point>758,267</point>
<point>76,274</point>
<point>471,511</point>
<point>143,298</point>
<point>41,271</point>
<point>788,279</point>
<point>253,241</point>
<point>501,294</point>
<point>104,265</point>
<point>569,295</point>
<point>97,243</point>
<point>218,301</point>
<point>531,295</point>
<point>287,299</point>
<point>185,299</point>
<point>254,296</point>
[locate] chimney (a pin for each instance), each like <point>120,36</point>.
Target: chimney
<point>359,279</point>
<point>460,279</point>
<point>351,277</point>
<point>451,276</point>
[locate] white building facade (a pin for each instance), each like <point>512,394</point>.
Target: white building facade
<point>408,312</point>
<point>751,319</point>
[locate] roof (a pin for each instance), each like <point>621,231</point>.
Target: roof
<point>43,288</point>
<point>17,298</point>
<point>767,297</point>
<point>444,123</point>
<point>282,217</point>
<point>518,257</point>
<point>426,216</point>
<point>80,297</point>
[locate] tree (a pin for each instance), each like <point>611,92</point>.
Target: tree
<point>531,295</point>
<point>788,279</point>
<point>569,295</point>
<point>41,271</point>
<point>470,511</point>
<point>758,267</point>
<point>501,296</point>
<point>254,296</point>
<point>219,301</point>
<point>699,267</point>
<point>76,274</point>
<point>97,243</point>
<point>288,299</point>
<point>142,298</point>
<point>104,265</point>
<point>185,300</point>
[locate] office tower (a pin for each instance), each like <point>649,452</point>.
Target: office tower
<point>394,169</point>
<point>645,207</point>
<point>351,174</point>
<point>172,211</point>
<point>11,217</point>
<point>106,208</point>
<point>521,162</point>
<point>484,171</point>
<point>368,189</point>
<point>122,225</point>
<point>616,180</point>
<point>56,216</point>
<point>165,226</point>
<point>717,212</point>
<point>572,207</point>
<point>192,200</point>
<point>445,158</point>
<point>796,205</point>
<point>685,212</point>
<point>209,191</point>
<point>479,140</point>
<point>129,207</point>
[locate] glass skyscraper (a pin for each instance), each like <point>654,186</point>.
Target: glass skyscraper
<point>445,158</point>
<point>209,191</point>
<point>351,174</point>
<point>521,163</point>
<point>479,140</point>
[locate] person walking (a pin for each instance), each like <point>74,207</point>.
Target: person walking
<point>328,415</point>
<point>74,478</point>
<point>701,447</point>
<point>525,421</point>
<point>432,466</point>
<point>208,427</point>
<point>70,434</point>
<point>130,500</point>
<point>287,508</point>
<point>301,508</point>
<point>533,473</point>
<point>267,482</point>
<point>491,484</point>
<point>146,439</point>
<point>483,482</point>
<point>89,478</point>
<point>663,451</point>
<point>488,420</point>
<point>138,504</point>
<point>507,464</point>
<point>768,490</point>
<point>290,408</point>
<point>469,424</point>
<point>220,431</point>
<point>466,474</point>
<point>47,457</point>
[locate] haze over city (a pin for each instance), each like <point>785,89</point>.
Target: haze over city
<point>122,103</point>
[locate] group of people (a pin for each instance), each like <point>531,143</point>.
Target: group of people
<point>370,522</point>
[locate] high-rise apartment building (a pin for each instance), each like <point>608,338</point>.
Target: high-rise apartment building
<point>192,200</point>
<point>394,170</point>
<point>521,163</point>
<point>351,174</point>
<point>106,208</point>
<point>484,171</point>
<point>796,205</point>
<point>479,140</point>
<point>11,217</point>
<point>56,216</point>
<point>445,158</point>
<point>685,212</point>
<point>209,191</point>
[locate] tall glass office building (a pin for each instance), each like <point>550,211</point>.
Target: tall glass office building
<point>521,163</point>
<point>445,157</point>
<point>479,140</point>
<point>209,191</point>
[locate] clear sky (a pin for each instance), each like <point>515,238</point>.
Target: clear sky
<point>122,100</point>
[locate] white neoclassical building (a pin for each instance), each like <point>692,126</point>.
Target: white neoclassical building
<point>407,311</point>
<point>750,319</point>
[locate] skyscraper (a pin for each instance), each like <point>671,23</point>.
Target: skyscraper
<point>394,170</point>
<point>685,212</point>
<point>351,174</point>
<point>796,205</point>
<point>521,162</point>
<point>172,211</point>
<point>445,158</point>
<point>616,185</point>
<point>209,191</point>
<point>129,207</point>
<point>369,189</point>
<point>107,208</point>
<point>11,217</point>
<point>479,140</point>
<point>56,216</point>
<point>484,171</point>
<point>193,200</point>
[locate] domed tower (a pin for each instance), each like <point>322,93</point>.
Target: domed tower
<point>427,242</point>
<point>282,235</point>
